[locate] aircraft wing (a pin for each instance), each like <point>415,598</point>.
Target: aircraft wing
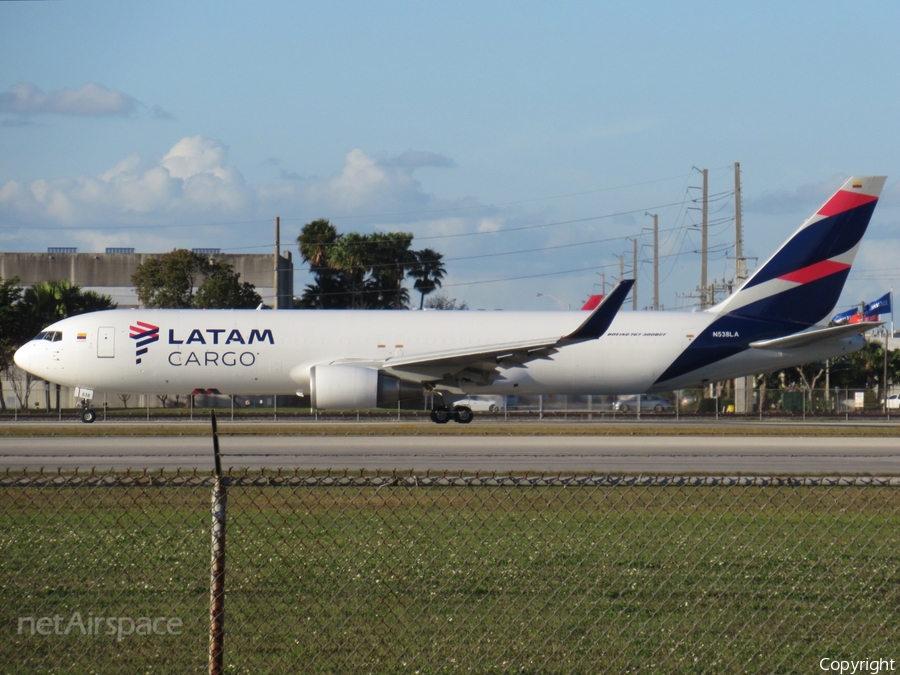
<point>811,337</point>
<point>481,363</point>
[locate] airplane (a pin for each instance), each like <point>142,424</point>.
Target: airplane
<point>361,359</point>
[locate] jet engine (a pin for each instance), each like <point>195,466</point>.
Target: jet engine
<point>349,387</point>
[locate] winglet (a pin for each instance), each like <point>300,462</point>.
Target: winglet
<point>600,319</point>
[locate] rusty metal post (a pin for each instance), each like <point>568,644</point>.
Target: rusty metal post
<point>217,569</point>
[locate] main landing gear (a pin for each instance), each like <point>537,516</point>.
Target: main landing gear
<point>441,414</point>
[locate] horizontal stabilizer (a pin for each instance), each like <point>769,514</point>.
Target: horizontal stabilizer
<point>812,337</point>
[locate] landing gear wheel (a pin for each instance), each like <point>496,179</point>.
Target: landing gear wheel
<point>88,415</point>
<point>463,414</point>
<point>440,415</point>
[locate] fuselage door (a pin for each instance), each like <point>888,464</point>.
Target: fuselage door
<point>106,342</point>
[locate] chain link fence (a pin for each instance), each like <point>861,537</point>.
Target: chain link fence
<point>382,574</point>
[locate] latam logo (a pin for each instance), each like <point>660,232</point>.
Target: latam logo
<point>145,334</point>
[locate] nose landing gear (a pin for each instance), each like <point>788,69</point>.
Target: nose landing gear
<point>88,414</point>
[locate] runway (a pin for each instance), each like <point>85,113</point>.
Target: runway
<point>792,455</point>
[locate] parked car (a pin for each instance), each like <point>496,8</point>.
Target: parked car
<point>482,403</point>
<point>893,402</point>
<point>648,403</point>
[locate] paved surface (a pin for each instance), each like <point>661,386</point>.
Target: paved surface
<point>518,454</point>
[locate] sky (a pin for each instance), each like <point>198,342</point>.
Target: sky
<point>527,142</point>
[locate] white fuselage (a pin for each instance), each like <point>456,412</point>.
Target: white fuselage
<point>272,352</point>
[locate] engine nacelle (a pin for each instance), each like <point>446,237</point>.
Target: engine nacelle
<point>349,387</point>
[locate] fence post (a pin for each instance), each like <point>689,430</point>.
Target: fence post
<point>217,568</point>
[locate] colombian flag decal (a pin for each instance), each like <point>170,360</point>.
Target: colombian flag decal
<point>82,336</point>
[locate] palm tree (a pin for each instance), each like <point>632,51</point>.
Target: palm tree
<point>350,256</point>
<point>391,259</point>
<point>50,301</point>
<point>428,272</point>
<point>11,336</point>
<point>315,242</point>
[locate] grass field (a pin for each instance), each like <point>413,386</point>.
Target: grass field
<point>458,579</point>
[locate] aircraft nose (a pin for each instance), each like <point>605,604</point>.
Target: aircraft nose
<point>22,357</point>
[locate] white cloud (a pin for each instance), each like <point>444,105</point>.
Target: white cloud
<point>374,184</point>
<point>192,178</point>
<point>194,155</point>
<point>88,100</point>
<point>192,186</point>
<point>490,224</point>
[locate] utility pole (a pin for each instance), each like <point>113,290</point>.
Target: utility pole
<point>634,273</point>
<point>704,242</point>
<point>655,262</point>
<point>283,290</point>
<point>740,263</point>
<point>276,287</point>
<point>743,386</point>
<point>621,267</point>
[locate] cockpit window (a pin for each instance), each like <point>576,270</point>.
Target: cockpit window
<point>49,335</point>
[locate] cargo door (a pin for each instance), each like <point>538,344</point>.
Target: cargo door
<point>106,342</point>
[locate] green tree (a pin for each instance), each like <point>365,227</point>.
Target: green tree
<point>428,272</point>
<point>223,289</point>
<point>861,369</point>
<point>364,270</point>
<point>183,279</point>
<point>390,260</point>
<point>48,302</point>
<point>10,325</point>
<point>51,301</point>
<point>315,242</point>
<point>170,280</point>
<point>865,368</point>
<point>351,257</point>
<point>329,291</point>
<point>444,302</point>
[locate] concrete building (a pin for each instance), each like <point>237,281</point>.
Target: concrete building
<point>110,272</point>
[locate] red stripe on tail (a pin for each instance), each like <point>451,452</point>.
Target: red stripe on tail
<point>814,272</point>
<point>844,200</point>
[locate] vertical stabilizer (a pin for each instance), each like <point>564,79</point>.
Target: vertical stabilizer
<point>802,282</point>
<point>796,288</point>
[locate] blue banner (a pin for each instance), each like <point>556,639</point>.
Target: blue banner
<point>844,317</point>
<point>880,306</point>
